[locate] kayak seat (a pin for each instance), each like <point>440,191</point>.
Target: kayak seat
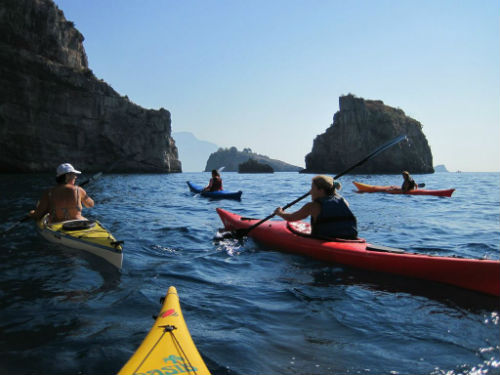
<point>304,229</point>
<point>78,225</point>
<point>385,249</point>
<point>246,218</point>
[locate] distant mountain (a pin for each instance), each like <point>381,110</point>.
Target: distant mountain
<point>440,168</point>
<point>193,153</point>
<point>231,158</point>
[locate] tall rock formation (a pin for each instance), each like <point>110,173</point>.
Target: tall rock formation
<point>359,127</point>
<point>53,109</point>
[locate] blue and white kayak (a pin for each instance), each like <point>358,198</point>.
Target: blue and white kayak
<point>220,194</point>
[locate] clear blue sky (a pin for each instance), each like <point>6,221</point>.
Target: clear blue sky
<point>267,74</point>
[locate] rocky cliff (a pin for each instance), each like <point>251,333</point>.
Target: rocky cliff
<point>253,166</point>
<point>231,158</point>
<point>53,109</point>
<point>358,128</point>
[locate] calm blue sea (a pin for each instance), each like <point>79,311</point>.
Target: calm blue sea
<point>250,309</point>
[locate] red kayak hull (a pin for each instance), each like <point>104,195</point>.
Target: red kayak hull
<point>365,188</point>
<point>474,274</point>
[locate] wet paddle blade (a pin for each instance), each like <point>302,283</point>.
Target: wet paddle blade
<point>93,178</point>
<point>24,219</point>
<point>237,234</point>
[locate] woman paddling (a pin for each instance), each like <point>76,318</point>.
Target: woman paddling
<point>330,214</point>
<point>215,183</point>
<point>64,201</point>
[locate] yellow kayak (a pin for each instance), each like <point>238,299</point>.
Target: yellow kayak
<point>84,235</point>
<point>168,348</point>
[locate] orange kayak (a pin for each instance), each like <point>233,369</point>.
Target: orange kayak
<point>365,188</point>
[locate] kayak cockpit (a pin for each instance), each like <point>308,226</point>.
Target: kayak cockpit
<point>303,229</point>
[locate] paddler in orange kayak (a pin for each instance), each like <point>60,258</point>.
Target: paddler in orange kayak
<point>408,183</point>
<point>330,214</point>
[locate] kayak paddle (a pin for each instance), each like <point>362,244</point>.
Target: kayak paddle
<point>239,233</point>
<point>93,178</point>
<point>24,219</point>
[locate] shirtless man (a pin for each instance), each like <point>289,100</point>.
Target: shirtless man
<point>63,201</point>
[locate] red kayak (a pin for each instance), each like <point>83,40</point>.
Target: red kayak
<point>365,188</point>
<point>294,237</point>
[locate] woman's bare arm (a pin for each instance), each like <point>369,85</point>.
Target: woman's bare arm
<point>301,214</point>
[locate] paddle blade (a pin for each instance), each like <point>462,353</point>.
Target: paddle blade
<point>374,153</point>
<point>24,219</point>
<point>10,228</point>
<point>237,234</point>
<point>93,178</point>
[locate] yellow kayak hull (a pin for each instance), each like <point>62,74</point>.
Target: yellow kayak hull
<point>168,348</point>
<point>96,239</point>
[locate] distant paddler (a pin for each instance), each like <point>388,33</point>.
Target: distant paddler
<point>215,183</point>
<point>408,183</point>
<point>64,201</point>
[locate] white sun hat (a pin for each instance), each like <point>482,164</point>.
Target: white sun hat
<point>66,168</point>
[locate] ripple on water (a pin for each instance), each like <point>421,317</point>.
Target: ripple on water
<point>250,309</point>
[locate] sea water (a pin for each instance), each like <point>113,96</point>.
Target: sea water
<point>250,309</point>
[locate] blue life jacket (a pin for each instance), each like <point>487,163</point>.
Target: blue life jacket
<point>335,219</point>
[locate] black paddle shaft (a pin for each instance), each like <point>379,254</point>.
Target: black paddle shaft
<point>374,153</point>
